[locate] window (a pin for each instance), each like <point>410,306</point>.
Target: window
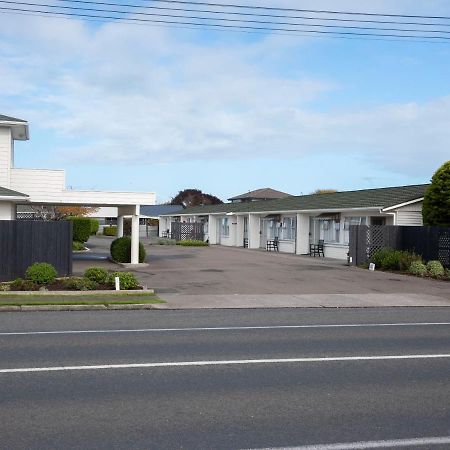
<point>329,230</point>
<point>351,221</point>
<point>288,229</point>
<point>225,227</point>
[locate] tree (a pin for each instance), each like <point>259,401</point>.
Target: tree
<point>436,202</point>
<point>50,212</point>
<point>324,191</point>
<point>194,197</point>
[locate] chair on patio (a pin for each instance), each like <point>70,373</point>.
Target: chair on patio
<point>317,249</point>
<point>272,244</point>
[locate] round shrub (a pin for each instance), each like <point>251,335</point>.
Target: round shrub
<point>127,280</point>
<point>121,250</point>
<point>435,269</point>
<point>96,274</point>
<point>418,268</point>
<point>407,258</point>
<point>41,273</point>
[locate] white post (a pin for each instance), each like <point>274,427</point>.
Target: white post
<point>302,234</point>
<point>135,239</point>
<point>119,226</point>
<point>254,236</point>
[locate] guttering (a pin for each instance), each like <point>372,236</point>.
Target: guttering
<point>296,211</point>
<point>400,205</point>
<point>11,198</point>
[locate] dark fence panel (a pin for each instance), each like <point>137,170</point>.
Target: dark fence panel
<point>25,242</point>
<point>184,231</point>
<point>429,242</point>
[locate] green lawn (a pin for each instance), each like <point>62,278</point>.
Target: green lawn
<point>85,299</point>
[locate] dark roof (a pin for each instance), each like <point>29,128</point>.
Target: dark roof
<point>263,194</point>
<point>366,198</point>
<point>4,192</point>
<point>10,119</point>
<point>158,210</point>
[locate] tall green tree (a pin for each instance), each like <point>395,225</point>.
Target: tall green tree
<point>436,203</point>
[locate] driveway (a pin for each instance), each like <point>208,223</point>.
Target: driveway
<point>232,277</point>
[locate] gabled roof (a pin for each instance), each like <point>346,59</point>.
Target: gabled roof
<point>262,194</point>
<point>5,192</point>
<point>10,119</point>
<point>158,210</point>
<point>362,199</point>
<point>18,127</point>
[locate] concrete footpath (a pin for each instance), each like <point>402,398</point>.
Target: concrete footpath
<point>180,301</point>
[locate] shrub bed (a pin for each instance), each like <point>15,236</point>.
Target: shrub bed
<point>127,280</point>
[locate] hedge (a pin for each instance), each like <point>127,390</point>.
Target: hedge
<point>110,231</point>
<point>81,228</point>
<point>94,226</point>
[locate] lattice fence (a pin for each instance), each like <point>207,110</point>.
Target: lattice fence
<point>184,231</point>
<point>429,242</point>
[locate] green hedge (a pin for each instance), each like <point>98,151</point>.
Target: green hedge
<point>41,273</point>
<point>94,226</point>
<point>110,231</point>
<point>192,243</point>
<point>81,228</point>
<point>121,250</point>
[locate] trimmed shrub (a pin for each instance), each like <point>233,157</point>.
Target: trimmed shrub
<point>96,274</point>
<point>418,268</point>
<point>41,273</point>
<point>81,228</point>
<point>435,269</point>
<point>127,280</point>
<point>78,246</point>
<point>95,224</point>
<point>110,231</point>
<point>192,243</point>
<point>19,284</point>
<point>80,284</point>
<point>387,258</point>
<point>121,250</point>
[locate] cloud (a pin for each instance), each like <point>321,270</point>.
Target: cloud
<point>155,95</point>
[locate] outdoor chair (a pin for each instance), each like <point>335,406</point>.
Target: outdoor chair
<point>317,249</point>
<point>272,244</point>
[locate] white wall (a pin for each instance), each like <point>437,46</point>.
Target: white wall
<point>104,211</point>
<point>5,156</point>
<point>253,231</point>
<point>39,183</point>
<point>410,215</point>
<point>7,211</point>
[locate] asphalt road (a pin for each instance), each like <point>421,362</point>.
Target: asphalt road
<point>248,379</point>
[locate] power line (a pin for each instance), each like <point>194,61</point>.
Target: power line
<point>258,14</point>
<point>345,33</point>
<point>222,19</point>
<point>314,11</point>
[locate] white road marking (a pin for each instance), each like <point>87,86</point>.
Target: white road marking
<point>232,328</point>
<point>222,363</point>
<point>362,445</point>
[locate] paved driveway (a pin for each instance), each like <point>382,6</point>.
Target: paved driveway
<point>234,277</point>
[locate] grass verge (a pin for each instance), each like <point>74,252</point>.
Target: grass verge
<point>88,299</point>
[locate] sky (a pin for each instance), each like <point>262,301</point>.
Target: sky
<point>125,107</point>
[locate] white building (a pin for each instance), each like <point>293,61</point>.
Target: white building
<point>47,186</point>
<point>298,221</point>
